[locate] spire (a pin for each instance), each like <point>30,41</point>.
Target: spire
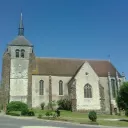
<point>21,26</point>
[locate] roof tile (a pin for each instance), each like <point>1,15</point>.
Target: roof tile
<point>68,67</point>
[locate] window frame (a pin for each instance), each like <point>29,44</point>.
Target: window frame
<point>61,88</point>
<point>113,88</point>
<point>17,52</point>
<point>22,53</point>
<point>41,87</point>
<point>87,91</point>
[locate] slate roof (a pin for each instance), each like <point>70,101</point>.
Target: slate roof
<point>69,67</point>
<point>20,41</point>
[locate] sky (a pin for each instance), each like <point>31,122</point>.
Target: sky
<point>85,29</point>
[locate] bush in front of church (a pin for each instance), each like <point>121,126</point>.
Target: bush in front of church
<point>92,116</point>
<point>64,104</point>
<point>42,105</point>
<point>24,112</point>
<point>31,113</point>
<point>16,106</point>
<point>27,112</point>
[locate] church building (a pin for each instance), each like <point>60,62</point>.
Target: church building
<point>89,84</point>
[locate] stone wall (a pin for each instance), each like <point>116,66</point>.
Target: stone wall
<point>5,78</point>
<point>53,83</point>
<point>50,91</point>
<point>86,75</point>
<point>72,95</point>
<point>30,68</point>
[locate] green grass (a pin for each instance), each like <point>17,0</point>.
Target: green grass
<point>113,123</point>
<point>87,121</point>
<point>83,118</point>
<point>14,113</point>
<point>69,114</point>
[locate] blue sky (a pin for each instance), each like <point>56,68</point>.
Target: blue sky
<point>90,29</point>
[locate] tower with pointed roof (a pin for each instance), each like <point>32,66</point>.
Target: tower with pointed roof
<point>19,51</point>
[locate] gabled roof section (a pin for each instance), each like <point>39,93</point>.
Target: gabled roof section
<point>20,41</point>
<point>69,67</point>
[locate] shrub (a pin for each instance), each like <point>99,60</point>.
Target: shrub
<point>51,105</point>
<point>31,113</point>
<point>57,113</point>
<point>16,106</point>
<point>48,113</point>
<point>126,112</point>
<point>40,116</point>
<point>42,105</point>
<point>54,114</point>
<point>24,112</point>
<point>92,116</point>
<point>64,104</point>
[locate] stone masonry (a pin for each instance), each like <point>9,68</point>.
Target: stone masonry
<point>72,91</point>
<point>6,78</point>
<point>31,66</point>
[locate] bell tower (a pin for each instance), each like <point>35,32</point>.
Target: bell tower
<point>19,50</point>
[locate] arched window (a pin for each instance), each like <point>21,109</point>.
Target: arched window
<point>22,53</point>
<point>87,91</point>
<point>60,87</point>
<point>113,84</point>
<point>41,87</point>
<point>17,53</point>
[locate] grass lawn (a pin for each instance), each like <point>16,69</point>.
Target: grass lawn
<point>83,118</point>
<point>14,113</point>
<point>113,123</point>
<point>69,114</point>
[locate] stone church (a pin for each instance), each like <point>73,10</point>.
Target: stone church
<point>89,84</point>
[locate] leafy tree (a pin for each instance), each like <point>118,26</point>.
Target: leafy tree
<point>122,98</point>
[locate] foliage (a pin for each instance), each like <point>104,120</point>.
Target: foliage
<point>126,112</point>
<point>57,112</point>
<point>122,100</point>
<point>27,112</point>
<point>92,116</point>
<point>42,105</point>
<point>51,105</point>
<point>51,114</point>
<point>24,112</point>
<point>16,106</point>
<point>48,113</point>
<point>31,113</point>
<point>54,114</point>
<point>64,104</point>
<point>40,116</point>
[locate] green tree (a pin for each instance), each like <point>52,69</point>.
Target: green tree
<point>122,98</point>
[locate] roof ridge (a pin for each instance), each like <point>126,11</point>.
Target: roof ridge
<point>71,59</point>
